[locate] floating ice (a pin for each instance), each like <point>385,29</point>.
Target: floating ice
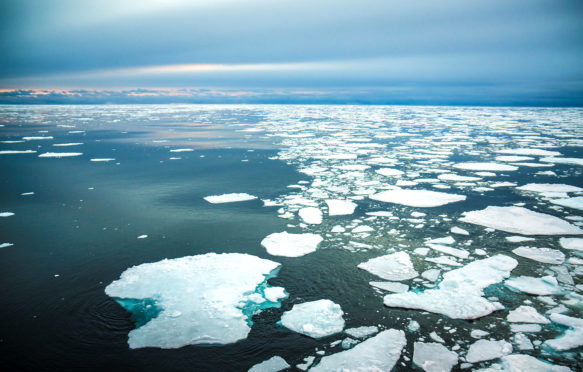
<point>361,332</point>
<point>102,160</point>
<point>482,350</point>
<point>518,239</point>
<point>527,152</point>
<point>523,362</point>
<point>14,152</point>
<point>204,299</point>
<point>549,187</point>
<point>340,207</point>
<point>181,150</point>
<point>572,338</point>
<point>455,177</point>
<point>513,158</point>
<point>443,260</point>
<point>315,319</point>
<point>526,314</point>
<point>142,236</point>
<point>59,154</point>
<point>6,214</point>
<point>391,286</point>
<point>495,167</point>
<point>520,220</point>
<point>459,231</point>
<point>444,240</point>
<point>37,138</point>
<point>6,245</point>
<point>229,198</point>
<point>431,274</point>
<point>575,203</point>
<point>389,172</point>
<point>522,341</point>
<point>572,243</point>
<point>273,364</point>
<point>395,266</point>
<point>67,144</point>
<point>460,253</point>
<point>362,229</point>
<point>547,285</point>
<point>311,215</point>
<point>525,328</point>
<point>544,255</point>
<point>291,245</point>
<point>379,353</point>
<point>459,294</point>
<point>569,161</point>
<point>417,198</point>
<point>433,357</point>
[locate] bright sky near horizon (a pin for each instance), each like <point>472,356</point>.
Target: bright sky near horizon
<point>520,52</point>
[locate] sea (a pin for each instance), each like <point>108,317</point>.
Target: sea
<point>458,228</point>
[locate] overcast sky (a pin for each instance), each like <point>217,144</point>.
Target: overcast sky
<point>370,51</point>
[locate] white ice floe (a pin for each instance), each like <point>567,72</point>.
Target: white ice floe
<point>575,244</point>
<point>433,357</point>
<point>395,266</point>
<point>395,287</point>
<point>544,255</point>
<point>59,154</point>
<point>315,319</point>
<point>39,138</point>
<point>518,239</point>
<point>513,158</point>
<point>573,336</point>
<point>529,152</point>
<point>457,178</point>
<point>459,253</point>
<point>6,214</point>
<point>389,172</point>
<point>444,240</point>
<point>522,341</point>
<point>549,187</point>
<point>6,245</point>
<point>361,332</point>
<point>522,363</point>
<point>547,285</point>
<point>274,294</point>
<point>478,333</point>
<point>431,274</point>
<point>181,150</point>
<point>482,350</point>
<point>340,207</point>
<point>15,152</point>
<point>311,215</point>
<point>459,231</point>
<point>525,328</point>
<point>204,299</point>
<point>417,198</point>
<point>479,166</point>
<point>503,184</point>
<point>105,160</point>
<point>229,198</point>
<point>575,203</point>
<point>526,314</point>
<point>459,294</point>
<point>273,364</point>
<point>443,260</point>
<point>362,229</point>
<point>291,245</point>
<point>142,236</point>
<point>520,220</point>
<point>378,353</point>
<point>67,144</point>
<point>568,161</point>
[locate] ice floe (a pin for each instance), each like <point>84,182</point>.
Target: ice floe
<point>480,166</point>
<point>311,215</point>
<point>59,154</point>
<point>6,214</point>
<point>568,161</point>
<point>482,350</point>
<point>378,353</point>
<point>102,160</point>
<point>526,314</point>
<point>15,152</point>
<point>273,364</point>
<point>417,198</point>
<point>549,187</point>
<point>433,357</point>
<point>291,245</point>
<point>520,220</point>
<point>361,332</point>
<point>395,266</point>
<point>547,285</point>
<point>544,255</point>
<point>315,319</point>
<point>229,198</point>
<point>459,231</point>
<point>575,244</point>
<point>391,286</point>
<point>340,207</point>
<point>523,362</point>
<point>204,299</point>
<point>573,336</point>
<point>575,203</point>
<point>6,245</point>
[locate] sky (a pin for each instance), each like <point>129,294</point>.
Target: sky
<point>459,52</point>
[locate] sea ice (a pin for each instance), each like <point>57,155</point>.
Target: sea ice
<point>273,364</point>
<point>522,341</point>
<point>340,207</point>
<point>315,319</point>
<point>459,231</point>
<point>6,214</point>
<point>361,332</point>
<point>518,239</point>
<point>569,161</point>
<point>229,198</point>
<point>102,160</point>
<point>378,353</point>
<point>395,287</point>
<point>389,172</point>
<point>547,285</point>
<point>521,363</point>
<point>417,198</point>
<point>181,150</point>
<point>526,314</point>
<point>549,187</point>
<point>572,243</point>
<point>575,203</point>
<point>513,158</point>
<point>456,177</point>
<point>59,154</point>
<point>6,245</point>
<point>482,350</point>
<point>459,294</point>
<point>573,336</point>
<point>520,220</point>
<point>531,152</point>
<point>495,167</point>
<point>433,357</point>
<point>311,215</point>
<point>203,299</point>
<point>544,255</point>
<point>14,152</point>
<point>395,267</point>
<point>291,245</point>
<point>459,253</point>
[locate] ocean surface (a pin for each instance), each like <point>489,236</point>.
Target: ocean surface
<point>88,192</point>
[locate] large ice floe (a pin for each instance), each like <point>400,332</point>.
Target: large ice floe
<point>573,336</point>
<point>523,363</point>
<point>575,203</point>
<point>229,198</point>
<point>340,207</point>
<point>395,267</point>
<point>315,319</point>
<point>417,198</point>
<point>433,357</point>
<point>291,245</point>
<point>482,350</point>
<point>520,220</point>
<point>204,299</point>
<point>378,353</point>
<point>460,294</point>
<point>273,364</point>
<point>547,285</point>
<point>480,166</point>
<point>544,255</point>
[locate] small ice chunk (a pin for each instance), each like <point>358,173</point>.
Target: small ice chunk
<point>575,203</point>
<point>291,245</point>
<point>478,333</point>
<point>518,239</point>
<point>547,285</point>
<point>361,332</point>
<point>433,357</point>
<point>417,198</point>
<point>520,220</point>
<point>229,198</point>
<point>443,260</point>
<point>395,287</point>
<point>396,266</point>
<point>59,154</point>
<point>338,229</point>
<point>460,253</point>
<point>181,150</point>
<point>525,328</point>
<point>362,229</point>
<point>273,364</point>
<point>340,207</point>
<point>482,350</point>
<point>6,245</point>
<point>572,338</point>
<point>544,255</point>
<point>435,337</point>
<point>572,243</point>
<point>311,215</point>
<point>102,160</point>
<point>274,294</point>
<point>413,326</point>
<point>522,341</point>
<point>315,319</point>
<point>389,172</point>
<point>459,231</point>
<point>446,240</point>
<point>529,152</point>
<point>526,314</point>
<point>378,353</point>
<point>492,167</point>
<point>142,236</point>
<point>431,274</point>
<point>457,178</point>
<point>308,361</point>
<point>16,152</point>
<point>6,214</point>
<point>569,161</point>
<point>513,158</point>
<point>37,138</point>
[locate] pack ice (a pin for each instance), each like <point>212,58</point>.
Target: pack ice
<point>459,294</point>
<point>291,245</point>
<point>203,299</point>
<point>229,198</point>
<point>417,198</point>
<point>314,319</point>
<point>395,266</point>
<point>520,220</point>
